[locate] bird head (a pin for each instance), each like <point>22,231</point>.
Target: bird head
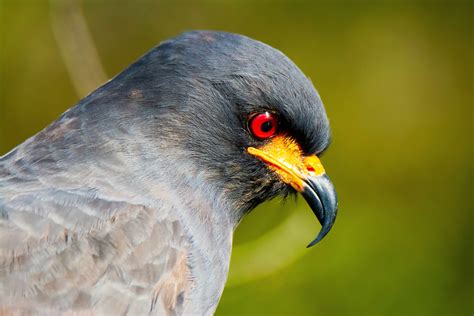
<point>241,112</point>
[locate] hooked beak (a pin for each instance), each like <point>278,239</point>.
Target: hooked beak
<point>321,197</point>
<point>305,174</point>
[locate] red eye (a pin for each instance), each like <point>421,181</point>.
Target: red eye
<point>263,125</point>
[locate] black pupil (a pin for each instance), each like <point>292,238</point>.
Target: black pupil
<point>267,126</point>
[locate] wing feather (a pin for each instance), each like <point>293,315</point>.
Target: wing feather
<point>71,250</point>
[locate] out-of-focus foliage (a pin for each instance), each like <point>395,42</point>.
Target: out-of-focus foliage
<point>396,78</point>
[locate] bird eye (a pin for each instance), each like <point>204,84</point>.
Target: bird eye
<point>263,125</point>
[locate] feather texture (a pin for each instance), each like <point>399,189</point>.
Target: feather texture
<point>76,244</point>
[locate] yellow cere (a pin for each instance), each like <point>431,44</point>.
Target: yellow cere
<point>314,165</point>
<point>284,156</point>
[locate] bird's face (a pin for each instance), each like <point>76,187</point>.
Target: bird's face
<point>304,173</point>
<point>272,160</point>
<point>249,118</point>
<point>273,144</point>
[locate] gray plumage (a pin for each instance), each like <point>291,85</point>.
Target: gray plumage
<point>128,202</point>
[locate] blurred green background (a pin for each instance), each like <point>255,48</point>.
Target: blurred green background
<point>396,79</point>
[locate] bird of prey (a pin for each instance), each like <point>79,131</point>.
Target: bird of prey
<point>127,203</point>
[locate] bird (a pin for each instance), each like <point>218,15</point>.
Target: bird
<point>127,203</point>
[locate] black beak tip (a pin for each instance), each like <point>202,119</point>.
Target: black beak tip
<point>322,199</point>
<point>315,241</point>
<point>324,231</point>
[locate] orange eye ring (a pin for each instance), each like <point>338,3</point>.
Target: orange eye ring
<point>263,125</point>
